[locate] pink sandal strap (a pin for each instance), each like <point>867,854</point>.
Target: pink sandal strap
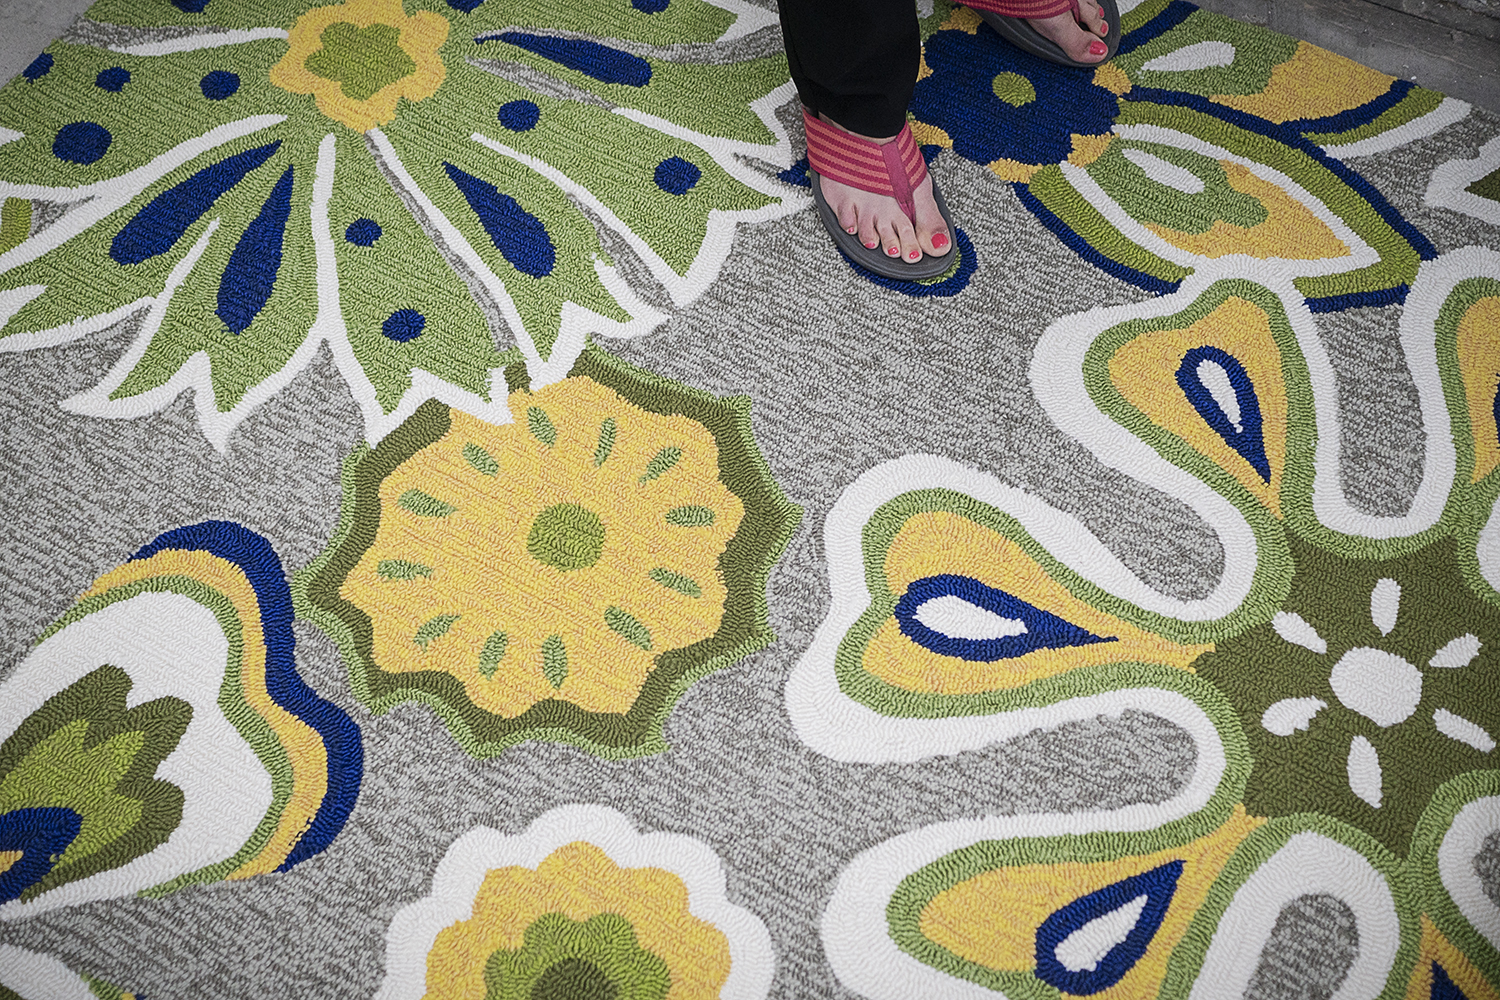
<point>1025,9</point>
<point>893,169</point>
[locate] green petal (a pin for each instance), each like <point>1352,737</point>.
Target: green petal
<point>628,627</point>
<point>425,504</point>
<point>434,628</point>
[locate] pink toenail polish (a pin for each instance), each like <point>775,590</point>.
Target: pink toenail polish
<point>852,230</point>
<point>939,241</point>
<point>1098,48</point>
<point>871,245</point>
<point>894,251</point>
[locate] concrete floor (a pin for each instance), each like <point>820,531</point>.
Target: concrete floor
<point>1449,46</point>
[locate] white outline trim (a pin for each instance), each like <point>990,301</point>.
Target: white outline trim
<point>1464,840</point>
<point>1449,180</point>
<point>192,43</point>
<point>1307,863</point>
<point>40,977</point>
<point>1449,111</point>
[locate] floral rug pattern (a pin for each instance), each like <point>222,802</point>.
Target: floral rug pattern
<point>561,559</point>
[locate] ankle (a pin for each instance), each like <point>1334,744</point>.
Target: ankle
<point>868,138</point>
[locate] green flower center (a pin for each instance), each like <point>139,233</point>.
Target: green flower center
<point>566,536</point>
<point>574,979</point>
<point>1014,89</point>
<point>361,60</point>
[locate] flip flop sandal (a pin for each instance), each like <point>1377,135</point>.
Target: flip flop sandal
<point>1023,36</point>
<point>893,169</point>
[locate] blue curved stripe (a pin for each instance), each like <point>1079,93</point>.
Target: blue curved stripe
<point>251,272</point>
<point>603,63</point>
<point>1291,137</point>
<point>1250,441</point>
<point>262,567</point>
<point>968,263</point>
<point>1044,630</point>
<point>40,834</point>
<point>1158,885</point>
<point>1395,295</point>
<point>517,234</point>
<point>158,226</point>
<point>1355,117</point>
<point>1170,17</point>
<point>1081,246</point>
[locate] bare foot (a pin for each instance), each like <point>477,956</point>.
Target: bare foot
<point>1079,39</point>
<point>879,221</point>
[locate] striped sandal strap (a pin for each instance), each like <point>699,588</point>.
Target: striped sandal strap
<point>894,169</point>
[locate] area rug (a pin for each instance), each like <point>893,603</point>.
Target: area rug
<point>468,534</point>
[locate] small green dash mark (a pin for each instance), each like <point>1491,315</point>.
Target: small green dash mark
<point>689,516</point>
<point>482,461</point>
<point>676,581</point>
<point>661,462</point>
<point>425,504</point>
<point>541,426</point>
<point>554,660</point>
<point>432,629</point>
<point>492,653</point>
<point>401,569</point>
<point>628,627</point>
<point>606,442</point>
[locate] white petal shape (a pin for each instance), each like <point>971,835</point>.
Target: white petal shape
<point>1162,172</point>
<point>1199,55</point>
<point>953,616</point>
<point>1086,947</point>
<point>1381,686</point>
<point>40,977</point>
<point>1364,771</point>
<point>9,135</point>
<point>1385,604</point>
<point>1458,653</point>
<point>1461,729</point>
<point>13,300</point>
<point>227,790</point>
<point>1291,714</point>
<point>1216,380</point>
<point>1294,629</point>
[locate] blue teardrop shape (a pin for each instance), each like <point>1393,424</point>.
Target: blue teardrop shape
<point>1158,886</point>
<point>158,226</point>
<point>1444,988</point>
<point>464,6</point>
<point>251,272</point>
<point>601,62</point>
<point>40,835</point>
<point>1044,630</point>
<point>1248,439</point>
<point>39,67</point>
<point>517,234</point>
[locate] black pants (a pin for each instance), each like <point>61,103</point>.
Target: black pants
<point>854,60</point>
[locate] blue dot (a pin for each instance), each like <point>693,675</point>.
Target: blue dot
<point>464,6</point>
<point>219,84</point>
<point>113,79</point>
<point>675,175</point>
<point>519,116</point>
<point>40,67</point>
<point>190,6</point>
<point>403,325</point>
<point>81,142</point>
<point>363,232</point>
<point>650,6</point>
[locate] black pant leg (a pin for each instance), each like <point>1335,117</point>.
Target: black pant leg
<point>854,60</point>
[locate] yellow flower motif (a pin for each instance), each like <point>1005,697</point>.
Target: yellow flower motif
<point>580,882</point>
<point>555,557</point>
<point>358,59</point>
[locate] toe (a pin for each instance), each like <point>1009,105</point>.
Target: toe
<point>848,218</point>
<point>890,240</point>
<point>911,248</point>
<point>868,235</point>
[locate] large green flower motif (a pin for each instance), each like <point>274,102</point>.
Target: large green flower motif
<point>434,190</point>
<point>1338,680</point>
